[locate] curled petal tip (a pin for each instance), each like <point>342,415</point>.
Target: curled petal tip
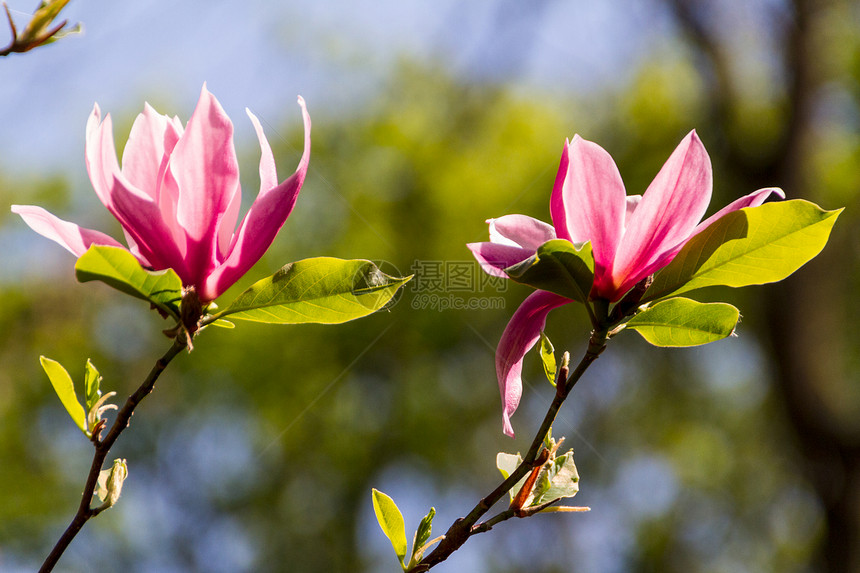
<point>306,118</point>
<point>506,425</point>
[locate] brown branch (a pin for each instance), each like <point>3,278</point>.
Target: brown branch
<point>102,448</point>
<point>463,528</point>
<point>29,40</point>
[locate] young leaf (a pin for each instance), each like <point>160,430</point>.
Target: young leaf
<point>65,389</point>
<point>109,484</point>
<point>507,463</point>
<point>391,521</point>
<point>118,268</point>
<point>92,379</point>
<point>319,290</point>
<point>558,479</point>
<point>422,534</point>
<point>547,356</point>
<point>558,266</point>
<point>752,246</point>
<point>684,322</point>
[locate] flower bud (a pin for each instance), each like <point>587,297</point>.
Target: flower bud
<point>110,483</point>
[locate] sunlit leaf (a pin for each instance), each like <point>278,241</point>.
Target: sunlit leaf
<point>422,534</point>
<point>65,389</point>
<point>684,322</point>
<point>557,480</point>
<point>753,246</point>
<point>558,266</point>
<point>507,463</point>
<point>92,380</point>
<point>547,356</point>
<point>118,268</point>
<point>319,290</point>
<point>42,18</point>
<point>391,521</point>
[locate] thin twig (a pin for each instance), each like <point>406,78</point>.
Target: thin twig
<point>465,527</point>
<point>102,448</point>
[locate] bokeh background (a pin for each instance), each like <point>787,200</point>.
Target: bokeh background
<point>258,451</point>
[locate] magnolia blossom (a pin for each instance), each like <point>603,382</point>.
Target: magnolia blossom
<point>177,196</point>
<point>631,237</point>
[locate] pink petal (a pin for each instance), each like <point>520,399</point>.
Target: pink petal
<point>632,202</point>
<point>754,199</point>
<point>521,231</point>
<point>144,152</point>
<point>494,258</point>
<point>145,164</point>
<point>519,337</point>
<point>669,211</point>
<point>594,201</point>
<point>268,171</point>
<point>268,180</point>
<point>556,200</point>
<point>101,156</point>
<point>103,170</point>
<point>206,170</point>
<point>74,238</point>
<point>262,222</point>
<point>135,250</point>
<point>141,218</point>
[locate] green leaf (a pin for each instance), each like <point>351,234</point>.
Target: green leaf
<point>557,480</point>
<point>752,246</point>
<point>422,534</point>
<point>65,389</point>
<point>92,380</point>
<point>558,266</point>
<point>118,268</point>
<point>684,322</point>
<point>391,521</point>
<point>42,18</point>
<point>547,356</point>
<point>507,463</point>
<point>319,290</point>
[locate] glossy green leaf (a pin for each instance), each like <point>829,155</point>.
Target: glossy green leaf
<point>558,266</point>
<point>92,380</point>
<point>118,268</point>
<point>752,246</point>
<point>391,521</point>
<point>684,322</point>
<point>547,356</point>
<point>65,389</point>
<point>319,290</point>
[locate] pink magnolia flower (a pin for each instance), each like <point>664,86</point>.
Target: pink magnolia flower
<point>631,237</point>
<point>177,196</point>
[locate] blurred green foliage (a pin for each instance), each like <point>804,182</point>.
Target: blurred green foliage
<point>258,451</point>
